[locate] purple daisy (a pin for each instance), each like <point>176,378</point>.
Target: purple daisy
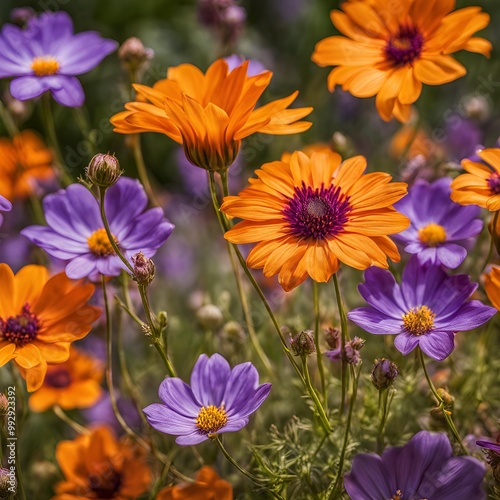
<point>46,56</point>
<point>425,310</point>
<point>423,468</point>
<point>76,233</point>
<point>5,206</point>
<point>439,227</point>
<point>219,400</point>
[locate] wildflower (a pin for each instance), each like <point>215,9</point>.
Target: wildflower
<point>425,310</point>
<point>209,114</point>
<point>391,50</point>
<point>96,465</point>
<point>219,400</point>
<point>439,227</point>
<point>25,162</point>
<point>492,451</point>
<point>384,372</point>
<point>5,206</point>
<point>76,233</point>
<point>208,486</point>
<point>72,384</point>
<point>423,468</point>
<point>210,317</point>
<point>134,56</point>
<point>303,343</point>
<point>310,214</point>
<point>481,185</point>
<point>144,269</point>
<point>39,318</point>
<point>351,350</point>
<point>47,56</point>
<point>103,170</point>
<point>492,286</point>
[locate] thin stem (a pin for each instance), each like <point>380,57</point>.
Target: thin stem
<point>7,120</point>
<point>346,433</point>
<point>80,429</point>
<point>142,170</point>
<point>387,396</point>
<point>441,405</point>
<point>344,335</point>
<point>83,125</point>
<point>492,240</point>
<point>319,354</point>
<point>20,493</point>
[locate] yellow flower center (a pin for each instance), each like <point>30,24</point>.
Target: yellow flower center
<point>211,419</point>
<point>418,320</point>
<point>397,496</point>
<point>99,243</point>
<point>432,235</point>
<point>44,66</point>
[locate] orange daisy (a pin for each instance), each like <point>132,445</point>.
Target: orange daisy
<point>208,486</point>
<point>391,49</point>
<point>98,466</point>
<point>40,317</point>
<point>310,214</point>
<point>492,286</point>
<point>481,185</point>
<point>72,384</point>
<point>209,114</point>
<point>25,161</point>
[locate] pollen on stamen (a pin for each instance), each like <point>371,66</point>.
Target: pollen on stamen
<point>418,320</point>
<point>44,66</point>
<point>211,419</point>
<point>99,243</point>
<point>432,234</point>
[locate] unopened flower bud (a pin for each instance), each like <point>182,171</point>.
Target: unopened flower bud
<point>211,12</point>
<point>234,330</point>
<point>144,269</point>
<point>447,398</point>
<point>21,15</point>
<point>383,373</point>
<point>7,483</point>
<point>303,343</point>
<point>210,317</point>
<point>103,170</point>
<point>477,107</point>
<point>332,337</point>
<point>134,55</point>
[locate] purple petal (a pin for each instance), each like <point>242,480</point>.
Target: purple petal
<point>53,30</point>
<point>454,291</point>
<point>110,266</point>
<point>61,247</point>
<point>240,386</point>
<point>421,282</point>
<point>471,315</point>
<point>28,87</point>
<point>209,378</point>
<point>81,267</point>
<point>467,229</point>
<point>436,344</point>
<point>415,247</point>
<point>148,231</point>
<point>84,52</point>
<point>247,406</point>
<point>191,439</point>
<point>168,421</point>
<point>5,204</point>
<point>178,396</point>
<point>374,321</point>
<point>451,255</point>
<point>406,342</point>
<point>490,445</point>
<point>369,479</point>
<point>70,92</point>
<point>234,425</point>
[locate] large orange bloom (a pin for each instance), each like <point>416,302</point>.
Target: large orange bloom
<point>24,161</point>
<point>310,214</point>
<point>40,317</point>
<point>208,486</point>
<point>98,466</point>
<point>481,185</point>
<point>492,286</point>
<point>209,113</point>
<point>72,384</point>
<point>392,48</point>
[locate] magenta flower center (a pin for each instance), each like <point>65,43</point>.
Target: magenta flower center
<point>59,378</point>
<point>211,419</point>
<point>20,329</point>
<point>494,183</point>
<point>418,320</point>
<point>405,47</point>
<point>105,481</point>
<point>44,66</point>
<point>317,213</point>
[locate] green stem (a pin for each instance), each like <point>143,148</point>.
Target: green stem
<point>20,493</point>
<point>142,171</point>
<point>441,405</point>
<point>7,120</point>
<point>492,241</point>
<point>83,125</point>
<point>346,433</point>
<point>386,404</point>
<point>344,335</point>
<point>80,429</point>
<point>319,354</point>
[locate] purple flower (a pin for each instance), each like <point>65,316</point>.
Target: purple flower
<point>423,468</point>
<point>439,227</point>
<point>5,206</point>
<point>489,445</point>
<point>425,311</point>
<point>47,56</point>
<point>254,66</point>
<point>76,233</point>
<point>219,400</point>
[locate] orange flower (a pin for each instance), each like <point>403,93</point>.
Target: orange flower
<point>98,466</point>
<point>208,486</point>
<point>25,160</point>
<point>481,186</point>
<point>392,48</point>
<point>419,143</point>
<point>39,318</point>
<point>72,384</point>
<point>311,213</point>
<point>492,286</point>
<point>209,113</point>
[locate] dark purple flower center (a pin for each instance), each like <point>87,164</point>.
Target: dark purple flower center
<point>58,377</point>
<point>494,183</point>
<point>405,47</point>
<point>20,329</point>
<point>317,213</point>
<point>105,483</point>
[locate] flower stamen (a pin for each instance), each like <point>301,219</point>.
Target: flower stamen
<point>418,320</point>
<point>494,183</point>
<point>211,419</point>
<point>44,66</point>
<point>20,329</point>
<point>432,235</point>
<point>405,47</point>
<point>99,243</point>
